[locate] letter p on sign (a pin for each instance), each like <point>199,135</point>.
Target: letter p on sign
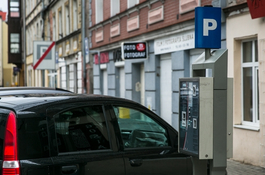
<point>208,27</point>
<point>208,24</point>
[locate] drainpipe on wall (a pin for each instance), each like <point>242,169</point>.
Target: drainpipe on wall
<point>24,45</point>
<point>43,38</point>
<point>83,44</point>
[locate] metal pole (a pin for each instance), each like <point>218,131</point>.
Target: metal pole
<point>100,79</point>
<point>24,45</point>
<point>43,38</point>
<point>207,54</point>
<point>83,44</point>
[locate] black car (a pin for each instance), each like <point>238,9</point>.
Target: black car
<point>67,134</point>
<point>29,91</point>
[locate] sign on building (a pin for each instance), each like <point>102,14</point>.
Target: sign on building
<point>44,55</point>
<point>208,27</point>
<point>173,43</point>
<point>104,58</point>
<point>256,8</point>
<point>134,50</point>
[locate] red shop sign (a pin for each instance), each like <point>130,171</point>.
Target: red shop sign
<point>104,58</point>
<point>256,8</point>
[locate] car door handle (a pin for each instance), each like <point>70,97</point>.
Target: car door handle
<point>69,169</point>
<point>136,162</point>
<point>165,152</point>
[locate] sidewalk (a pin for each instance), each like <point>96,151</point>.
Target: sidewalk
<point>238,168</point>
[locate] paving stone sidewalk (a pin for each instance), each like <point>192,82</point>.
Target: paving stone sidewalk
<point>238,168</point>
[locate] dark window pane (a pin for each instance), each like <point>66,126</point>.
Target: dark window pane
<point>247,94</point>
<point>32,138</point>
<point>139,130</point>
<point>256,52</point>
<point>257,94</point>
<point>81,129</point>
<point>3,117</point>
<point>247,52</point>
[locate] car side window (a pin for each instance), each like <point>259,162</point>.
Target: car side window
<point>81,129</point>
<point>139,130</point>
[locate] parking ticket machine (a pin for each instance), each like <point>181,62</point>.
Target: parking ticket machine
<point>196,117</point>
<point>205,113</point>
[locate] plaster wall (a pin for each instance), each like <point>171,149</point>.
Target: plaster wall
<point>249,144</point>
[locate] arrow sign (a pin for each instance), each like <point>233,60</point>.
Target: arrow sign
<point>44,54</point>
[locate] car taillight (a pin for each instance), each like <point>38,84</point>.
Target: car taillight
<point>10,157</point>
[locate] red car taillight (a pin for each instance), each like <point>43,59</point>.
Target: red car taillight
<point>10,157</point>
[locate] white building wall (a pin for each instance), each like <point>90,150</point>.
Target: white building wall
<point>248,143</point>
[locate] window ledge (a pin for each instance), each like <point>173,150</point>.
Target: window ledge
<point>247,127</point>
<point>120,64</point>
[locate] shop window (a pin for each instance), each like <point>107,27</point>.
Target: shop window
<point>29,77</point>
<point>250,82</point>
<point>52,78</point>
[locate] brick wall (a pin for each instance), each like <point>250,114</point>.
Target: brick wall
<point>171,17</point>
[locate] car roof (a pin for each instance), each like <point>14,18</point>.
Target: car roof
<point>33,100</point>
<point>27,91</point>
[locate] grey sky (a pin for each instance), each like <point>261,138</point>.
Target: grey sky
<point>3,5</point>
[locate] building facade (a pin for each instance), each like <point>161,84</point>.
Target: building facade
<point>15,40</point>
<point>63,26</point>
<point>57,21</point>
<point>9,75</point>
<point>168,29</point>
<point>246,60</point>
<point>2,39</point>
<point>33,32</point>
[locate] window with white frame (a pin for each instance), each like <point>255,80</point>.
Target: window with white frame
<point>27,9</point>
<point>14,43</point>
<point>29,77</point>
<point>37,31</point>
<point>54,28</point>
<point>131,3</point>
<point>60,24</point>
<point>48,37</point>
<point>14,8</point>
<point>52,76</point>
<point>67,79</point>
<point>75,15</point>
<point>99,10</point>
<point>41,28</point>
<point>250,82</point>
<point>28,41</point>
<point>67,16</point>
<point>115,7</point>
<point>32,39</point>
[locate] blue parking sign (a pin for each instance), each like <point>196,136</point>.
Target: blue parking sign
<point>208,27</point>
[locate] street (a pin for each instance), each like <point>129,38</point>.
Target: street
<point>238,168</point>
